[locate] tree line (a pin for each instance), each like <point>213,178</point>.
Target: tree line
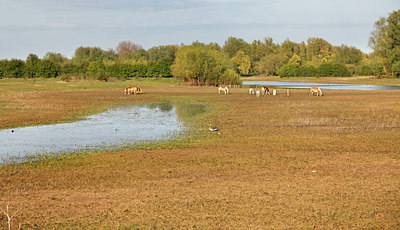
<point>211,64</point>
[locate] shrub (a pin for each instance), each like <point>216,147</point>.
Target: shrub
<point>14,68</point>
<point>308,71</point>
<point>289,70</point>
<point>366,71</point>
<point>230,77</point>
<point>333,70</point>
<point>96,68</point>
<point>47,69</point>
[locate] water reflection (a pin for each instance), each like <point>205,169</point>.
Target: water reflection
<point>305,85</point>
<point>112,129</point>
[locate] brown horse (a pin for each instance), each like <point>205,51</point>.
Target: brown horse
<point>315,90</point>
<point>265,90</point>
<point>138,90</point>
<point>133,89</point>
<point>129,90</point>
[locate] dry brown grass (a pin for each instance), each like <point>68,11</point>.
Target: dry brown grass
<point>281,162</point>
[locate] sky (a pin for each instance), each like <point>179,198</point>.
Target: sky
<point>61,26</point>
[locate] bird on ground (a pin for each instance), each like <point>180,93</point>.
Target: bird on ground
<point>212,128</point>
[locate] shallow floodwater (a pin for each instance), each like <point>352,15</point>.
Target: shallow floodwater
<point>305,85</point>
<point>115,127</point>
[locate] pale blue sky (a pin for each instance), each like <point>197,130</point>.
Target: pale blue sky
<point>41,26</point>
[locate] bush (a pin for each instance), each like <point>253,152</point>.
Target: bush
<point>70,68</point>
<point>202,65</point>
<point>47,69</point>
<point>14,68</point>
<point>333,70</point>
<point>65,77</point>
<point>366,71</point>
<point>96,68</point>
<point>308,71</point>
<point>230,77</point>
<point>289,70</point>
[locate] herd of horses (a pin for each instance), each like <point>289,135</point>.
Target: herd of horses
<point>225,90</point>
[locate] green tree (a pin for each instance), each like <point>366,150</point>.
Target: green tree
<point>270,64</point>
<point>56,58</point>
<point>46,68</point>
<point>319,51</point>
<point>233,45</point>
<point>349,55</point>
<point>289,70</point>
<point>295,59</point>
<point>31,65</point>
<point>241,62</point>
<point>14,68</point>
<point>97,69</point>
<point>385,41</point>
<point>160,52</point>
<point>85,55</point>
<point>202,65</point>
<point>140,55</point>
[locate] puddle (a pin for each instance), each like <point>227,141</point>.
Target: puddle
<point>304,85</point>
<point>115,128</point>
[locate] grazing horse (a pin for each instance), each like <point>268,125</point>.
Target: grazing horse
<point>129,90</point>
<point>315,90</point>
<point>223,89</point>
<point>133,89</point>
<point>265,90</point>
<point>138,90</point>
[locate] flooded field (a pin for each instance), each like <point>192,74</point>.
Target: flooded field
<point>115,128</point>
<point>305,85</point>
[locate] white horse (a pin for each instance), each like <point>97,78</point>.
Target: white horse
<point>251,91</point>
<point>315,90</point>
<point>223,89</point>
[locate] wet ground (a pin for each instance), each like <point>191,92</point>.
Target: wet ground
<point>112,129</point>
<point>304,85</point>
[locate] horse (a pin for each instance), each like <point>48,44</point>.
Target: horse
<point>251,91</point>
<point>133,89</point>
<point>129,90</point>
<point>223,89</point>
<point>315,90</point>
<point>138,90</point>
<point>265,90</point>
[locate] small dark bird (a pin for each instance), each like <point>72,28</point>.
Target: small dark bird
<point>12,130</point>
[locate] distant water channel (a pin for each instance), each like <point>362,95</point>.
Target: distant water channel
<point>305,85</point>
<point>112,129</point>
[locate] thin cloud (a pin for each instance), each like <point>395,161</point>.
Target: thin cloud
<point>155,22</point>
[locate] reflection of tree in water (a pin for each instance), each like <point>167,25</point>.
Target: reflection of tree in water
<point>162,106</point>
<point>187,111</point>
<point>184,111</point>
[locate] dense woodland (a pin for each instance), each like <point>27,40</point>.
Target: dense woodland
<point>212,64</point>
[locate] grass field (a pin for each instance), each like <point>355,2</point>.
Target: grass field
<point>296,162</point>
